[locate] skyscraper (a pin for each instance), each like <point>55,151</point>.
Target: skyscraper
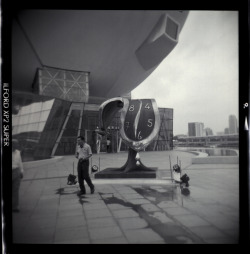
<point>195,129</point>
<point>232,124</point>
<point>208,132</point>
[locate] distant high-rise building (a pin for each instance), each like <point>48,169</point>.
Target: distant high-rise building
<point>195,129</point>
<point>208,132</point>
<point>226,131</point>
<point>233,128</point>
<point>220,133</point>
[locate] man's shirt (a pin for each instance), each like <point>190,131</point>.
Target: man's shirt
<point>84,152</point>
<point>17,160</point>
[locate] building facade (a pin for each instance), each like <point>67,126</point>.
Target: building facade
<point>47,126</point>
<point>59,82</point>
<point>224,140</point>
<point>233,126</point>
<point>196,129</point>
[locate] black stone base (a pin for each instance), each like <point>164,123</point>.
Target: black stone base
<point>116,173</point>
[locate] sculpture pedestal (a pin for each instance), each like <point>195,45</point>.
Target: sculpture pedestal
<point>133,168</point>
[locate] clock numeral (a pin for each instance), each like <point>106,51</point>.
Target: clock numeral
<point>139,135</point>
<point>150,123</point>
<point>147,106</point>
<point>131,108</point>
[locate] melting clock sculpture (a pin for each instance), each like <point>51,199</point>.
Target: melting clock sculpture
<point>139,124</point>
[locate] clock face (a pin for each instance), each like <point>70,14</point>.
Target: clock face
<point>139,122</point>
<point>140,119</point>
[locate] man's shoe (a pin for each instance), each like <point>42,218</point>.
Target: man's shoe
<point>92,190</point>
<point>81,193</point>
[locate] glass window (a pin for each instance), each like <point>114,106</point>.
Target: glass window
<point>35,107</point>
<point>24,119</point>
<point>35,117</point>
<point>15,120</point>
<point>25,110</point>
<point>41,126</point>
<point>47,104</point>
<point>22,128</point>
<point>44,115</point>
<point>32,127</point>
<point>14,130</point>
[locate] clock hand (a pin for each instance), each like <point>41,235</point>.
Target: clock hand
<point>137,118</point>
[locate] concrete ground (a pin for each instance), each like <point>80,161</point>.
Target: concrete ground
<point>129,211</point>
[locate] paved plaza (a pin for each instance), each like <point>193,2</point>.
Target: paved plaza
<point>129,211</point>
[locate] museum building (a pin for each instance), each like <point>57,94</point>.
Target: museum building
<point>65,63</point>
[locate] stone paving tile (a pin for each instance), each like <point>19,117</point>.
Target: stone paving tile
<point>172,229</point>
<point>71,199</point>
<point>95,206</point>
<point>71,221</point>
<point>100,213</point>
<point>49,197</point>
<point>161,218</point>
<point>33,195</point>
<point>129,196</point>
<point>91,199</point>
<point>117,207</point>
<point>113,240</point>
<point>150,207</point>
<point>44,235</point>
<point>26,210</point>
<point>37,213</point>
<point>70,206</point>
<point>158,188</point>
<point>70,212</point>
<point>125,213</point>
<point>66,195</point>
<point>132,223</point>
<point>207,232</point>
<point>18,222</point>
<point>139,201</point>
<point>223,223</point>
<point>233,232</point>
<point>125,190</point>
<point>164,204</point>
<point>174,211</point>
<point>143,236</point>
<point>152,199</point>
<point>221,240</point>
<point>111,195</point>
<point>44,206</point>
<point>202,209</point>
<point>39,217</point>
<point>191,220</point>
<point>101,222</point>
<point>41,222</point>
<point>102,189</point>
<point>72,235</point>
<point>105,232</point>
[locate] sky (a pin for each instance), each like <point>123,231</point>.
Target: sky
<point>199,78</point>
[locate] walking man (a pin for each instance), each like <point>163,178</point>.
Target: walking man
<point>83,153</point>
<point>17,174</point>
